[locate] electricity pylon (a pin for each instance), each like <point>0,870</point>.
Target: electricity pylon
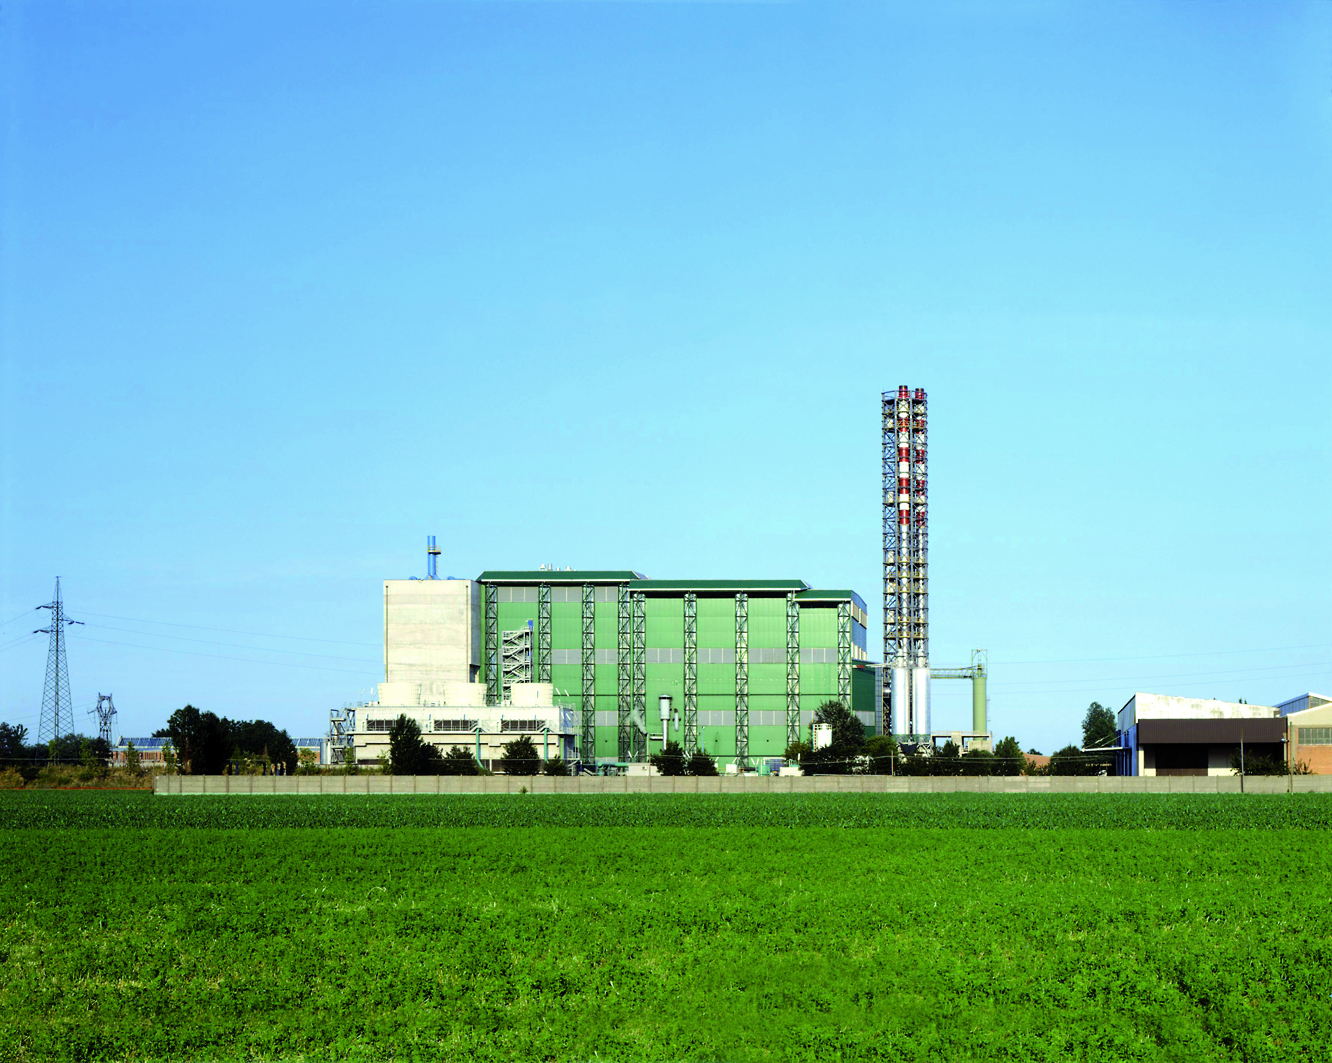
<point>106,719</point>
<point>57,710</point>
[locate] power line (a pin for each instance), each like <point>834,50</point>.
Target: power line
<point>1230,673</point>
<point>1172,656</point>
<point>220,657</point>
<point>230,631</point>
<point>233,645</point>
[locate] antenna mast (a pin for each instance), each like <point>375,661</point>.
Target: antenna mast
<point>57,711</point>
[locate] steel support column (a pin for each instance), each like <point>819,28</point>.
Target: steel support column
<point>588,753</point>
<point>690,673</point>
<point>844,653</point>
<point>742,680</point>
<point>792,669</point>
<point>492,646</point>
<point>640,721</point>
<point>624,690</point>
<point>543,634</point>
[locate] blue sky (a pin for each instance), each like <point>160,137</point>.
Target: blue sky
<point>287,287</point>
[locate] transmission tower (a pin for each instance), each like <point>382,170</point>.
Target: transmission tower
<point>106,719</point>
<point>57,710</point>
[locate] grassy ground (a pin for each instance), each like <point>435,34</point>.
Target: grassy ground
<point>125,932</point>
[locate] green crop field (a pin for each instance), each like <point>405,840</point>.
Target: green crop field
<point>774,927</point>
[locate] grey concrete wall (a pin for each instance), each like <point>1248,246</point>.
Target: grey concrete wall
<point>759,784</point>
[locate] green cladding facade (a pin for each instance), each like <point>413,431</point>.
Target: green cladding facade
<point>745,663</point>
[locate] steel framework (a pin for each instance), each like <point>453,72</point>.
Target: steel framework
<point>742,680</point>
<point>625,662</point>
<point>57,709</point>
<point>690,673</point>
<point>492,646</point>
<point>844,653</point>
<point>792,669</point>
<point>106,718</point>
<point>588,752</point>
<point>543,634</point>
<point>906,648</point>
<point>341,727</point>
<point>640,724</point>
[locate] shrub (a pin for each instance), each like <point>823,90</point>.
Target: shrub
<point>459,761</point>
<point>670,761</point>
<point>701,764</point>
<point>555,766</point>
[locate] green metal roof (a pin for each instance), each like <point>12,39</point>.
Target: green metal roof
<point>719,585</point>
<point>553,576</point>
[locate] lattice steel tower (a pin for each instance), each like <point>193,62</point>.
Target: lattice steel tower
<point>57,710</point>
<point>106,719</point>
<point>906,609</point>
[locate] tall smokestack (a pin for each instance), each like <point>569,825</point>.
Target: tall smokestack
<point>906,601</point>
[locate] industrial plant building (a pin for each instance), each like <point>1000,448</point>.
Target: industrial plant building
<point>1164,735</point>
<point>579,662</point>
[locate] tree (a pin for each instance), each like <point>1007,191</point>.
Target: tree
<point>946,761</point>
<point>1098,727</point>
<point>459,761</point>
<point>701,764</point>
<point>132,763</point>
<point>169,758</point>
<point>1072,761</point>
<point>555,766</point>
<point>200,739</point>
<point>883,755</point>
<point>308,765</point>
<point>409,754</point>
<point>1098,731</point>
<point>12,741</point>
<point>260,738</point>
<point>670,761</point>
<point>1008,757</point>
<point>848,739</point>
<point>978,762</point>
<point>520,757</point>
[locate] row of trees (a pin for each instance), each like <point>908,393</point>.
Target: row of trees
<point>204,743</point>
<point>77,749</point>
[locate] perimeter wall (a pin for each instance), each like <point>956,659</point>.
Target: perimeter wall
<point>760,784</point>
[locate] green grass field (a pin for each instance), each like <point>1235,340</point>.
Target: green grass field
<point>776,927</point>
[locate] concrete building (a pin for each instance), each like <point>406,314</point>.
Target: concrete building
<point>1309,731</point>
<point>1165,735</point>
<point>579,660</point>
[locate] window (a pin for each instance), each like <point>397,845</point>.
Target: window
<point>379,725</point>
<point>606,594</point>
<point>611,656</point>
<point>522,725</point>
<point>515,594</point>
<point>721,655</point>
<point>455,725</point>
<point>818,656</point>
<point>664,657</point>
<point>1315,736</point>
<point>766,655</point>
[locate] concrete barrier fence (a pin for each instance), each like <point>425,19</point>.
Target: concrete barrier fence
<point>724,784</point>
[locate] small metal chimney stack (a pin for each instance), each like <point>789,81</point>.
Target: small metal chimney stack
<point>432,558</point>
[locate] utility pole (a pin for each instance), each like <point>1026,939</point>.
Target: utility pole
<point>57,709</point>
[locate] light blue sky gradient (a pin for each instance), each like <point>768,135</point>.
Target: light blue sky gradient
<point>288,286</point>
